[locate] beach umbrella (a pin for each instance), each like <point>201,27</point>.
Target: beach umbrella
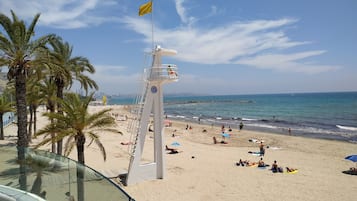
<point>175,144</point>
<point>352,158</point>
<point>225,135</point>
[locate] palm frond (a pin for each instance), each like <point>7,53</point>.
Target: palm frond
<point>95,138</point>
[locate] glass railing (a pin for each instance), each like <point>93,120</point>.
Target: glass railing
<point>8,118</point>
<point>43,175</point>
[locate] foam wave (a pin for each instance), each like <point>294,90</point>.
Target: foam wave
<point>350,128</point>
<point>247,119</point>
<point>264,126</point>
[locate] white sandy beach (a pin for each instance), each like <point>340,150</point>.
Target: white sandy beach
<point>207,171</point>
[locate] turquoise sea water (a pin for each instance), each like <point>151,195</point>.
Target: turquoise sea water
<point>319,115</point>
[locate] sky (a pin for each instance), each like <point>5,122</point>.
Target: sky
<point>224,47</point>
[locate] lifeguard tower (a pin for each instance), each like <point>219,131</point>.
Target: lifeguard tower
<point>151,103</point>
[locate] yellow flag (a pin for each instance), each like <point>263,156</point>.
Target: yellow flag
<point>145,8</point>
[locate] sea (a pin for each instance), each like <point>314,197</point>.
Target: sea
<point>316,115</point>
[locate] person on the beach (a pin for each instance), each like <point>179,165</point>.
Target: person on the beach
<point>261,163</point>
<point>261,149</point>
<point>215,141</point>
<point>275,168</point>
<point>150,129</point>
<point>171,71</point>
<point>290,169</point>
<point>245,163</point>
<point>289,130</point>
<point>241,126</point>
<point>172,150</point>
<point>241,163</point>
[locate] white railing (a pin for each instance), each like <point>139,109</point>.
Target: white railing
<point>164,72</point>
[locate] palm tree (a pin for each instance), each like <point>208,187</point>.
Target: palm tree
<point>5,106</point>
<point>64,68</point>
<point>18,52</point>
<point>76,124</point>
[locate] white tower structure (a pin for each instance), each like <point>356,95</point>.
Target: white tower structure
<point>151,102</point>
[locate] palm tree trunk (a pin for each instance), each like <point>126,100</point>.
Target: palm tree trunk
<point>22,142</point>
<point>20,88</point>
<point>80,170</point>
<point>34,119</point>
<point>60,87</point>
<point>30,124</point>
<point>1,127</point>
<point>53,143</point>
<point>53,135</point>
<point>22,167</point>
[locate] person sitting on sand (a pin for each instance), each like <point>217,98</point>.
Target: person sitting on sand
<point>275,168</point>
<point>261,163</point>
<point>245,163</point>
<point>242,163</point>
<point>215,141</point>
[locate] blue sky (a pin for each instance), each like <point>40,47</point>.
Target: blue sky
<point>224,47</point>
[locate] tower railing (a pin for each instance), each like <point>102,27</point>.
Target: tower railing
<point>165,72</point>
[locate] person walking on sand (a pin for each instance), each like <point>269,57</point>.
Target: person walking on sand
<point>241,126</point>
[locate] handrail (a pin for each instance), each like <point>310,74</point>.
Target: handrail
<point>165,72</point>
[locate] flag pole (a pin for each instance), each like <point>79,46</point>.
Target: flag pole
<point>152,24</point>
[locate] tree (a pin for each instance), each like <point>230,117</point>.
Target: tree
<point>18,51</point>
<point>76,124</point>
<point>5,106</point>
<point>64,68</point>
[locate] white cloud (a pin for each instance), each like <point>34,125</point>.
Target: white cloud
<point>287,62</point>
<point>258,43</point>
<point>112,79</point>
<point>60,14</point>
<point>181,11</point>
<point>109,69</point>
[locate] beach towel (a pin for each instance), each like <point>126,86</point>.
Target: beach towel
<point>292,172</point>
<point>263,167</point>
<point>255,153</point>
<point>254,165</point>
